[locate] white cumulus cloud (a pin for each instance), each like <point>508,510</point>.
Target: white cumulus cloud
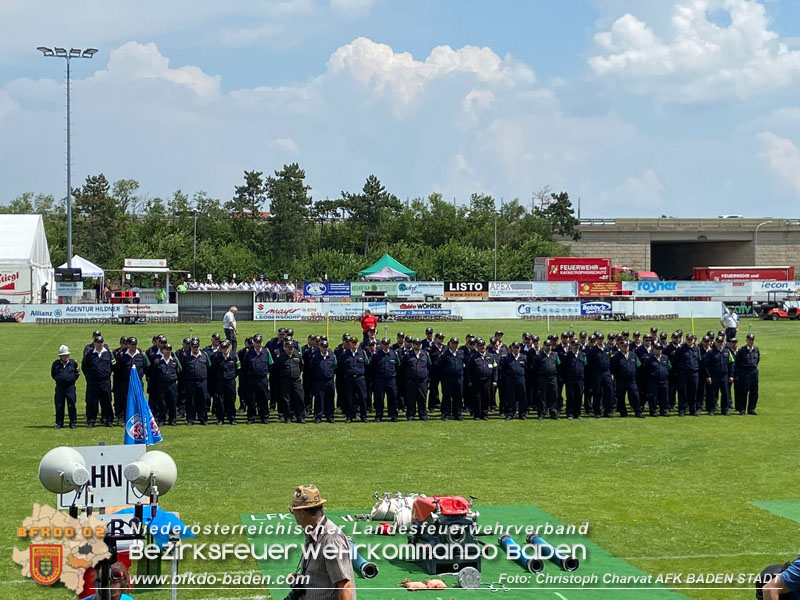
<point>702,60</point>
<point>286,144</point>
<point>642,192</point>
<point>782,156</point>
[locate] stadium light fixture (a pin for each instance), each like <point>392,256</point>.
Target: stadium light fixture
<point>755,240</point>
<point>68,56</point>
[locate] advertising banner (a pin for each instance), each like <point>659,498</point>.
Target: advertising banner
<point>466,289</point>
<point>555,289</point>
<point>510,289</point>
<point>595,307</point>
<point>420,289</point>
<point>30,313</point>
<point>599,289</point>
<point>357,288</point>
<point>146,263</point>
<point>15,283</point>
<point>421,309</point>
<point>69,288</point>
<point>743,308</point>
<point>285,311</point>
<point>578,269</point>
<point>761,288</point>
<point>319,289</point>
<point>525,309</point>
<point>674,289</point>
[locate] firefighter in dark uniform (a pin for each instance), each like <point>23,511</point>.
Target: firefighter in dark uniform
<point>482,376</point>
<point>133,357</point>
<point>341,379</point>
<point>196,366</point>
<point>400,350</point>
<point>119,387</point>
<point>289,365</point>
<point>181,354</point>
<point>153,353</point>
<point>369,345</point>
<point>561,349</point>
<point>599,361</point>
<point>308,351</point>
<point>449,368</point>
<point>547,367</point>
<point>747,359</point>
<point>435,348</point>
<point>624,366</point>
<point>258,366</point>
<point>588,376</point>
<point>704,388</point>
<point>719,375</point>
<point>226,363</point>
<point>384,372</point>
<point>428,340</point>
<point>96,334</point>
<point>686,361</point>
<point>670,350</point>
<point>416,367</point>
<point>355,368</point>
<point>65,373</point>
<point>513,368</point>
<point>574,375</point>
<point>323,368</point>
<point>274,347</point>
<point>168,370</point>
<point>657,366</point>
<point>241,354</point>
<point>643,352</point>
<point>97,365</point>
<point>213,388</point>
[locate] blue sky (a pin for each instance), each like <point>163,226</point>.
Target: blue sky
<point>677,107</point>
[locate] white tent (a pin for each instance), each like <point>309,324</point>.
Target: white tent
<point>24,258</point>
<point>387,274</point>
<point>88,269</point>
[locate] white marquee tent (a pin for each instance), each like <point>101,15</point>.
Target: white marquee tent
<point>88,268</point>
<point>24,258</point>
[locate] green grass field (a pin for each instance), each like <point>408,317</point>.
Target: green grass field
<point>664,495</point>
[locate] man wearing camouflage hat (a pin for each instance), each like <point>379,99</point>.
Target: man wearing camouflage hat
<point>328,573</point>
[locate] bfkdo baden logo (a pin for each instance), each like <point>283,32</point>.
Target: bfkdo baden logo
<point>45,561</point>
<point>62,547</point>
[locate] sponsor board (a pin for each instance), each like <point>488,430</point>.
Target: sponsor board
<point>9,281</point>
<point>319,289</point>
<point>763,287</point>
<point>280,311</point>
<point>146,263</point>
<point>357,288</point>
<point>466,289</point>
<point>69,288</point>
<point>420,289</point>
<point>107,485</point>
<point>683,308</point>
<point>525,309</point>
<point>675,289</point>
<point>30,313</point>
<point>532,289</point>
<point>578,269</point>
<point>743,309</point>
<point>413,309</point>
<point>599,289</point>
<point>595,307</point>
<point>15,283</point>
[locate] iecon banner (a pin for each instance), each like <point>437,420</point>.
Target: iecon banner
<point>466,289</point>
<point>420,289</point>
<point>319,289</point>
<point>761,288</point>
<point>595,307</point>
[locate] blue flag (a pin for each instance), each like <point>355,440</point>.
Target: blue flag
<point>140,427</point>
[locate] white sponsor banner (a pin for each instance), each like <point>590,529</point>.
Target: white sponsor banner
<point>762,288</point>
<point>15,283</point>
<point>69,288</point>
<point>420,289</point>
<point>30,313</point>
<point>296,311</point>
<point>683,308</point>
<point>146,263</point>
<point>532,309</point>
<point>533,289</point>
<point>674,289</point>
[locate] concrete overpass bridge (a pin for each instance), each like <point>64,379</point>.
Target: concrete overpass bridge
<point>672,247</point>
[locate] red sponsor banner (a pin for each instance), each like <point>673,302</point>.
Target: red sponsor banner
<point>578,269</point>
<point>8,281</point>
<point>764,274</point>
<point>599,289</point>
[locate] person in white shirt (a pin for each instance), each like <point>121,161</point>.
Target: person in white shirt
<point>730,321</point>
<point>229,326</point>
<point>290,289</point>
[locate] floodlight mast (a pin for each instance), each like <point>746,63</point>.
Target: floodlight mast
<point>68,56</point>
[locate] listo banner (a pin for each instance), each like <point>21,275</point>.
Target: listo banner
<point>466,289</point>
<point>319,289</point>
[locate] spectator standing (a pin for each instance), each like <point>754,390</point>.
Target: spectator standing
<point>229,326</point>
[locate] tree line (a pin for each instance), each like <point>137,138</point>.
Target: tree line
<point>272,225</point>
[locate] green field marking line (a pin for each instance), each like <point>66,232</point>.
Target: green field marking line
<point>385,586</point>
<point>788,509</point>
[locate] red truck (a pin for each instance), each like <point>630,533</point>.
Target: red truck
<point>743,274</point>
